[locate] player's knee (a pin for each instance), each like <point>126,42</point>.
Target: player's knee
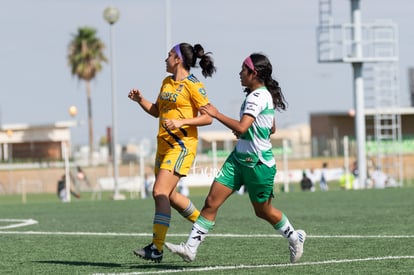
<point>210,203</point>
<point>261,210</point>
<point>158,194</point>
<point>260,213</point>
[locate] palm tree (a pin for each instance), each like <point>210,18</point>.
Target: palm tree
<point>85,57</point>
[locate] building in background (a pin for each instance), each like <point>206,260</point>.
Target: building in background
<point>329,128</point>
<point>36,143</point>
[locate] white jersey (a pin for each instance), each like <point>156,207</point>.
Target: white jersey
<point>254,145</point>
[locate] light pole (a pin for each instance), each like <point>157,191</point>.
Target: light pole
<point>73,111</point>
<point>111,15</point>
<point>9,133</point>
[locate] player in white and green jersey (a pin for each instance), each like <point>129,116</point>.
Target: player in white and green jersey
<point>251,163</point>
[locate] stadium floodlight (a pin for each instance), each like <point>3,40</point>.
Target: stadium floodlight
<point>111,15</point>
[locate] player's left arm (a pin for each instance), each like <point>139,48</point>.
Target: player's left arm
<point>238,126</point>
<point>199,98</point>
<point>201,120</point>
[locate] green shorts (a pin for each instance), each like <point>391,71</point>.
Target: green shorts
<point>258,180</point>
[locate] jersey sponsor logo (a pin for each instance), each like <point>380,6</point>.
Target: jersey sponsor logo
<point>251,103</point>
<point>248,159</point>
<point>168,96</point>
<point>250,108</point>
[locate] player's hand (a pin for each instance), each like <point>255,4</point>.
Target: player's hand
<point>172,124</point>
<point>135,95</point>
<point>210,109</point>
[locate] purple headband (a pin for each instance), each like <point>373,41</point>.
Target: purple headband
<point>249,63</point>
<point>178,51</point>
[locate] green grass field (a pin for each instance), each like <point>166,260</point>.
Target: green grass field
<point>349,232</point>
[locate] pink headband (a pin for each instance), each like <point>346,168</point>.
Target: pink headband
<point>178,51</point>
<point>249,63</point>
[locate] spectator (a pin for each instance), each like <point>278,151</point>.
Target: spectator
<point>61,190</point>
<point>346,180</point>
<point>355,172</point>
<point>379,178</point>
<point>305,182</point>
<point>312,176</point>
<point>148,185</point>
<point>323,182</point>
<point>81,176</point>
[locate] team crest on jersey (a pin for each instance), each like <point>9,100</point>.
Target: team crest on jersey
<point>202,91</point>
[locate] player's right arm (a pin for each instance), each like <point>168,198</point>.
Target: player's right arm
<point>146,105</point>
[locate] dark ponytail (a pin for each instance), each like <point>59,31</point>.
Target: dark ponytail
<point>190,55</point>
<point>264,70</point>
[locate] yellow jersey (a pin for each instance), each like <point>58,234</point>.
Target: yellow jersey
<point>179,100</point>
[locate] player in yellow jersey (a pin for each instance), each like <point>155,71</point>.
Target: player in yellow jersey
<point>177,107</point>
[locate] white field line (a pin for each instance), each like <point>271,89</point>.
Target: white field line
<point>235,267</point>
<point>19,223</point>
<point>16,223</point>
<point>210,235</point>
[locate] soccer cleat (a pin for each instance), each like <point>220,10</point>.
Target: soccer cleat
<point>296,248</point>
<point>181,250</point>
<point>150,252</point>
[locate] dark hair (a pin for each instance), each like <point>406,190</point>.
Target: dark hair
<point>190,55</point>
<point>264,70</point>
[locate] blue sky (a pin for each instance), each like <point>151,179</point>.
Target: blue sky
<point>36,86</point>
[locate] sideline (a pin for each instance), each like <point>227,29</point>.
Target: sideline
<point>17,223</point>
<point>215,268</point>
